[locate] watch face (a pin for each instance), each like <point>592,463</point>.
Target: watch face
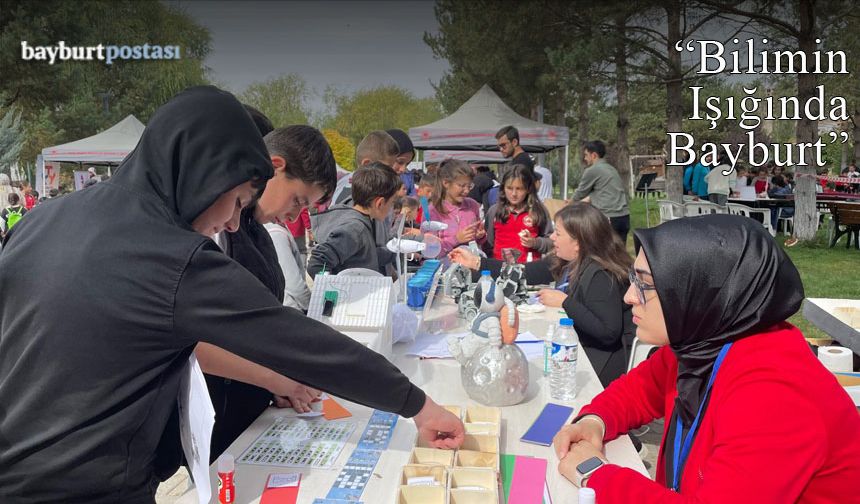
<point>589,465</point>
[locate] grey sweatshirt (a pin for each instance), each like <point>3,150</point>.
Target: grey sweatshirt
<point>602,182</point>
<point>345,239</point>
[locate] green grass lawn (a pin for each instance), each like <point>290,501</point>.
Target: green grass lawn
<point>825,272</point>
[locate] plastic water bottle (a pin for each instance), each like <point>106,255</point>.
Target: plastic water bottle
<point>562,374</point>
<point>547,347</point>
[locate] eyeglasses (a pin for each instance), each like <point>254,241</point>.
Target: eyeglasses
<point>641,286</point>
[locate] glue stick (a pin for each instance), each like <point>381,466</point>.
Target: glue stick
<point>226,488</point>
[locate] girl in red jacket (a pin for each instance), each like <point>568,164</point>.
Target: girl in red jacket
<point>519,220</point>
<point>751,415</point>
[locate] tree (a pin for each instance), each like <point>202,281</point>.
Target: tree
<point>73,99</point>
<point>844,38</point>
<point>379,108</point>
<point>283,99</point>
<point>798,26</point>
<point>342,148</point>
<point>500,43</point>
<point>11,138</point>
<point>594,59</point>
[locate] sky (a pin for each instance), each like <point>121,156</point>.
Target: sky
<point>348,44</point>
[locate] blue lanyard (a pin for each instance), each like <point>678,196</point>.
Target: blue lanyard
<point>680,456</point>
<point>563,286</point>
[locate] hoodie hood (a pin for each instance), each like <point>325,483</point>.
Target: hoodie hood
<point>199,145</point>
<point>720,278</point>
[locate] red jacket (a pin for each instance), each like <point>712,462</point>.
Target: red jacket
<point>507,235</point>
<point>297,227</point>
<point>29,201</point>
<point>778,428</point>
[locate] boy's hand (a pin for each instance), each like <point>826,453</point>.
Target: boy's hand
<point>439,426</point>
<point>297,404</point>
<point>287,387</point>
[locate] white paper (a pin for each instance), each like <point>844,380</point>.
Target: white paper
<point>527,337</point>
<point>432,346</point>
<point>854,393</point>
<point>284,480</point>
<point>532,350</point>
<point>196,419</point>
<point>435,346</point>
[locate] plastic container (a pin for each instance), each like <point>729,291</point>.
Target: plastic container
<point>562,376</point>
<point>418,287</point>
<point>432,246</point>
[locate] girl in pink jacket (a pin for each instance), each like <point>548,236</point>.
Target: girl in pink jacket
<point>451,205</point>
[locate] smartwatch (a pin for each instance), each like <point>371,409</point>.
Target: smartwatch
<point>586,468</point>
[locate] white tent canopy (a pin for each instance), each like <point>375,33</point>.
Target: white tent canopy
<point>437,156</point>
<point>474,125</point>
<point>110,146</point>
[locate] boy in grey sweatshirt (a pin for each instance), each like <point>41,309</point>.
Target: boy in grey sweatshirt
<point>347,240</point>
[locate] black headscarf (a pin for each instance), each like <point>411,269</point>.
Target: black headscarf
<point>720,278</point>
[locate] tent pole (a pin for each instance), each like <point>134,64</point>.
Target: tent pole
<point>630,172</point>
<point>566,164</point>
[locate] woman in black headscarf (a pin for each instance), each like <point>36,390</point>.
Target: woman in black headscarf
<point>751,415</point>
<point>104,294</point>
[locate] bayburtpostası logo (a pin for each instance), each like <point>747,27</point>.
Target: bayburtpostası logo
<point>108,54</point>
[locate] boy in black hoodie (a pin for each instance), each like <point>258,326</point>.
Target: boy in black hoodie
<point>95,338</point>
<point>347,239</point>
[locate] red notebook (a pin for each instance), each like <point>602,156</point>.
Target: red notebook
<point>281,489</point>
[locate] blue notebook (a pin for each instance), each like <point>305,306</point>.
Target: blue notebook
<point>548,423</point>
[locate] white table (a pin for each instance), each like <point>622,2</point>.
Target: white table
<point>839,318</point>
<point>440,378</point>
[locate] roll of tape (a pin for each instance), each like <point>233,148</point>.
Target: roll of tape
<point>836,359</point>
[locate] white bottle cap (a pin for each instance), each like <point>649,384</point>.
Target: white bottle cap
<point>226,463</point>
<point>587,496</point>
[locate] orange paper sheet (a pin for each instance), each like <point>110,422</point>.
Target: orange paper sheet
<point>332,410</point>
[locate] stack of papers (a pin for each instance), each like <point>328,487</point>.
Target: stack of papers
<point>435,346</point>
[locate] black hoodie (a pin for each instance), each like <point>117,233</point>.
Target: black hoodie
<point>720,278</point>
<point>105,292</point>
